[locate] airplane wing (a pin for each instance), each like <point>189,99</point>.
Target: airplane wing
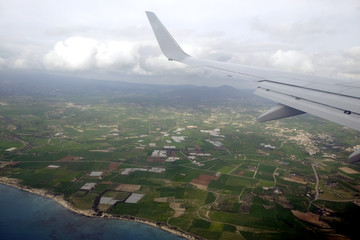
<point>337,100</point>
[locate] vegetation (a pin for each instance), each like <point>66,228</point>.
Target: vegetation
<point>55,135</point>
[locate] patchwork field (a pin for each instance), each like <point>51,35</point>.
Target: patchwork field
<point>193,157</point>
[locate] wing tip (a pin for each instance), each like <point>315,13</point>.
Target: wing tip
<point>167,43</point>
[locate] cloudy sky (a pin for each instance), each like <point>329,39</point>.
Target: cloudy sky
<point>111,39</point>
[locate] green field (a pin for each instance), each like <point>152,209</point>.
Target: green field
<point>240,190</point>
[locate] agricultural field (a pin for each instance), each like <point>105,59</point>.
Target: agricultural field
<point>191,157</point>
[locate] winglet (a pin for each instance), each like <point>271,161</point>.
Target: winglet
<point>167,43</point>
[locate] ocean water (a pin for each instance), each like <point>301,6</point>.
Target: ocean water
<point>28,216</point>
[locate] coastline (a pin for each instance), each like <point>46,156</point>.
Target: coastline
<point>15,183</point>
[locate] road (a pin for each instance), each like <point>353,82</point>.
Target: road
<point>256,170</point>
<point>274,176</point>
<point>317,182</point>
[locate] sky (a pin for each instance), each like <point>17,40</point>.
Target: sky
<point>112,39</point>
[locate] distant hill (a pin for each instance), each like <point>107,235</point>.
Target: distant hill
<point>50,86</point>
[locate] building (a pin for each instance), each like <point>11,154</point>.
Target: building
<point>88,186</point>
<point>134,198</point>
<point>159,153</point>
<point>169,147</point>
<point>157,170</point>
<point>178,138</point>
<point>126,171</point>
<point>108,201</point>
<point>95,174</point>
<point>215,143</point>
<point>53,166</point>
<point>172,159</point>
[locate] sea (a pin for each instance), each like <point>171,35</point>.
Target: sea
<point>24,215</point>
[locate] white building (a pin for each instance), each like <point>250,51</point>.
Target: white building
<point>88,186</point>
<point>178,138</point>
<point>169,147</point>
<point>126,171</point>
<point>53,166</point>
<point>159,153</point>
<point>95,174</point>
<point>172,159</point>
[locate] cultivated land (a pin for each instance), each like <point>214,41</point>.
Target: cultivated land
<point>190,157</point>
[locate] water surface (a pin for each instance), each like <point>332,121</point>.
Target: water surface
<point>24,215</point>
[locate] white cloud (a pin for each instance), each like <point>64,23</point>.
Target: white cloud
<point>115,53</point>
<point>75,53</point>
<point>353,53</point>
<point>350,64</point>
<point>81,54</point>
<point>115,36</point>
<point>2,62</point>
<point>20,63</point>
<point>291,61</point>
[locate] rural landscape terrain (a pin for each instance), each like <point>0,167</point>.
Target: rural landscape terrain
<point>191,157</point>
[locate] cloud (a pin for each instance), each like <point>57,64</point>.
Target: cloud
<point>353,53</point>
<point>291,61</point>
<point>112,53</point>
<point>130,57</point>
<point>292,30</point>
<point>115,37</point>
<point>2,63</point>
<point>21,61</point>
<point>79,54</point>
<point>346,63</point>
<point>75,53</point>
<point>350,63</point>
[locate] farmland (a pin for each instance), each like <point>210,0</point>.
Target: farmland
<point>221,175</point>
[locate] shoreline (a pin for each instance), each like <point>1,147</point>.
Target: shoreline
<point>15,183</point>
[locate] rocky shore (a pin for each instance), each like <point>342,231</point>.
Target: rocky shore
<point>12,182</point>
